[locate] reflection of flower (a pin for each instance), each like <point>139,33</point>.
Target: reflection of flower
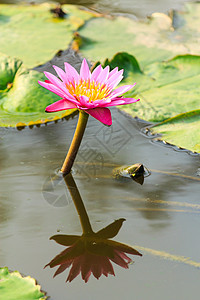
<point>92,253</point>
<point>91,92</point>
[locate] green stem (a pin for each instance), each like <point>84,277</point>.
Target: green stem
<point>75,144</point>
<point>76,197</point>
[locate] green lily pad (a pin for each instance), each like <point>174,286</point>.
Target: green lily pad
<point>32,34</point>
<point>132,72</point>
<point>8,69</point>
<point>174,90</point>
<point>182,130</point>
<point>15,287</point>
<point>166,89</point>
<point>24,101</point>
<point>158,38</point>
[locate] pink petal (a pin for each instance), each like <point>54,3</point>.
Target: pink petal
<point>96,270</point>
<point>114,103</point>
<point>86,104</point>
<point>97,71</point>
<point>71,73</point>
<point>63,267</point>
<point>53,79</point>
<point>115,79</point>
<point>119,261</point>
<point>61,258</point>
<point>115,70</point>
<point>121,90</point>
<point>87,276</point>
<point>96,267</point>
<point>52,88</point>
<point>107,267</point>
<point>124,256</point>
<point>116,82</point>
<point>102,102</point>
<point>59,84</point>
<point>85,71</point>
<point>126,100</point>
<point>62,104</point>
<point>85,267</point>
<point>121,101</point>
<point>103,75</point>
<point>84,101</point>
<point>102,114</point>
<point>75,270</point>
<point>61,74</point>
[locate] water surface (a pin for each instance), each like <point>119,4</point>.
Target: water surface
<point>128,7</point>
<point>162,214</point>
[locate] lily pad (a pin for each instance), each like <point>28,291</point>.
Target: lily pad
<point>15,287</point>
<point>8,69</point>
<point>24,101</point>
<point>166,89</point>
<point>158,38</point>
<point>32,34</point>
<point>182,130</point>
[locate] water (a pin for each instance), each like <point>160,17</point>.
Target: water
<point>162,214</point>
<point>132,8</point>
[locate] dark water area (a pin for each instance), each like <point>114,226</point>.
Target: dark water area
<point>163,214</point>
<point>131,8</point>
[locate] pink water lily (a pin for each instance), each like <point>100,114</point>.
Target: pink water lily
<point>89,92</point>
<point>90,255</point>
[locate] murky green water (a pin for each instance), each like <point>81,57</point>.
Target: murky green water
<point>163,214</point>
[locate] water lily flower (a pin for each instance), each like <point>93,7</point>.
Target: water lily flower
<point>89,92</point>
<point>92,252</point>
<point>90,255</point>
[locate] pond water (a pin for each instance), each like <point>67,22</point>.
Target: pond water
<point>128,7</point>
<point>162,215</point>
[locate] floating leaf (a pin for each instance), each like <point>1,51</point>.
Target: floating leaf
<point>175,89</point>
<point>132,72</point>
<point>24,103</point>
<point>32,34</point>
<point>158,38</point>
<point>15,287</point>
<point>8,69</point>
<point>182,130</point>
<point>166,89</point>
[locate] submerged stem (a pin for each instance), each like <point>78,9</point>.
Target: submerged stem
<point>76,197</point>
<point>75,144</point>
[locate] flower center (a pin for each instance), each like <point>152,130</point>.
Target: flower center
<point>91,89</point>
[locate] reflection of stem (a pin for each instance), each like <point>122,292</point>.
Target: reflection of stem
<point>84,219</point>
<point>78,135</point>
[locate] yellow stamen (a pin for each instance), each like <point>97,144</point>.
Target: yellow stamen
<point>91,89</point>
